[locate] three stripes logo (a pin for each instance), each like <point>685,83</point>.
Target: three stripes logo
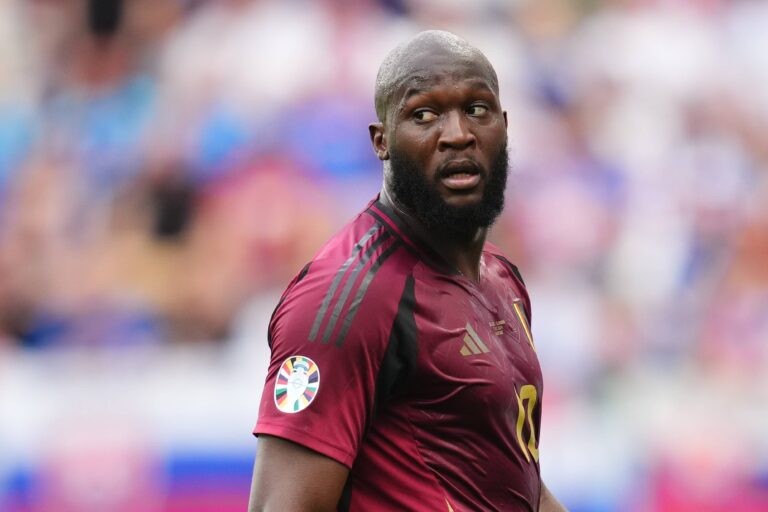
<point>473,345</point>
<point>352,279</point>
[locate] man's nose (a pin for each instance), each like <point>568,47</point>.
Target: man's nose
<point>456,132</point>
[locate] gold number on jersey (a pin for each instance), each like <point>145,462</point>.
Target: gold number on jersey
<point>527,393</point>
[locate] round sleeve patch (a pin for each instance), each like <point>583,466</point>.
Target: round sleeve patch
<point>298,381</point>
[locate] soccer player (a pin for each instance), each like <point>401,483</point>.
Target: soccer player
<point>403,374</point>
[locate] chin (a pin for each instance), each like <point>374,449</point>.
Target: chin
<point>463,200</point>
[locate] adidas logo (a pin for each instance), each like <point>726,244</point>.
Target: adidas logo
<point>473,345</point>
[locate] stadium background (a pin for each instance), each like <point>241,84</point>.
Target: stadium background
<point>159,186</point>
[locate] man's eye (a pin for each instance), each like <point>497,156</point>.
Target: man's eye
<point>425,115</point>
<point>477,110</point>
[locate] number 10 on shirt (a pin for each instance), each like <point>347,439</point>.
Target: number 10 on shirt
<point>526,401</point>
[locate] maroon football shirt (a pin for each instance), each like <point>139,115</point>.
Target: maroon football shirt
<point>424,383</point>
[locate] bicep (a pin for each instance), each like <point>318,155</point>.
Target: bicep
<point>288,476</point>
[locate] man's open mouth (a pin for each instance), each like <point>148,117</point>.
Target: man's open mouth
<point>460,175</point>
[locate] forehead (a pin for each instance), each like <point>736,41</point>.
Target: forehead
<point>427,70</point>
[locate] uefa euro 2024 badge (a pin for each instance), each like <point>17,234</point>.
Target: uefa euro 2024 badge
<point>297,383</point>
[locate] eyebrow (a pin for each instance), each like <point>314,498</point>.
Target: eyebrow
<point>412,91</point>
<point>416,86</point>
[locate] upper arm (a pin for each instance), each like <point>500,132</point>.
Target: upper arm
<point>288,476</point>
<point>328,338</point>
<point>321,394</point>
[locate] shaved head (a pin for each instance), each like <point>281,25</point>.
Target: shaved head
<point>407,61</point>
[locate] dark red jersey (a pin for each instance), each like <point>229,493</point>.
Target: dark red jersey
<point>424,383</point>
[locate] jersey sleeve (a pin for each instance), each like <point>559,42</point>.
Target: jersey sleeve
<point>328,338</point>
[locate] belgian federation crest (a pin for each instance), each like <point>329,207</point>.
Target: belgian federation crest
<point>297,383</point>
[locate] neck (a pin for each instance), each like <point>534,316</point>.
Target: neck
<point>460,251</point>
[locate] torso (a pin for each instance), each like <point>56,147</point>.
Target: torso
<point>458,412</point>
<point>428,386</point>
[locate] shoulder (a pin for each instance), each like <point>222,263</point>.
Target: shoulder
<point>509,271</point>
<point>494,252</point>
<point>350,289</point>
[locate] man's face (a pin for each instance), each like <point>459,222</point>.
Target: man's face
<point>447,146</point>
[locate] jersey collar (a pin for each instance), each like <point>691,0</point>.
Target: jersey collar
<point>391,220</point>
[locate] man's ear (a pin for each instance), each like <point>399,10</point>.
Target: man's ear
<point>379,140</point>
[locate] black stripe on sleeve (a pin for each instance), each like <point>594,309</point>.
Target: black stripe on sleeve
<point>355,305</point>
<point>337,279</point>
<point>350,282</point>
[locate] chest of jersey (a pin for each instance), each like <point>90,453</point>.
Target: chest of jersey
<point>473,400</point>
<point>475,347</point>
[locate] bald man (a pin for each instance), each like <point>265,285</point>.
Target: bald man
<point>403,373</point>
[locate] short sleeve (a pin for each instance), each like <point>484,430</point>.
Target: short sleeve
<point>328,338</point>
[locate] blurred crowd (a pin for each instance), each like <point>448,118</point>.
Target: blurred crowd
<point>162,163</point>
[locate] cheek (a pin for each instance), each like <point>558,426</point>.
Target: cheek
<point>494,138</point>
<point>417,138</point>
<point>415,144</point>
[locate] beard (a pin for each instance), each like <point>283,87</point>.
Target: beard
<point>420,195</point>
